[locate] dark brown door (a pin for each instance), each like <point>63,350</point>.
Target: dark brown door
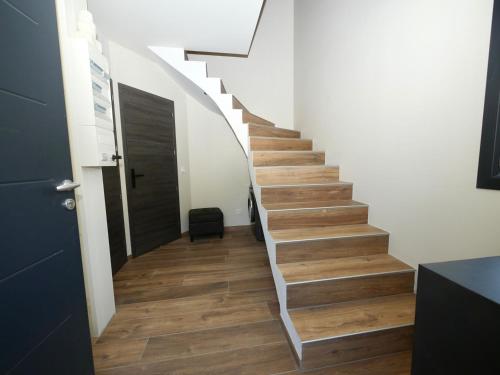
<point>114,217</point>
<point>114,208</point>
<point>148,128</point>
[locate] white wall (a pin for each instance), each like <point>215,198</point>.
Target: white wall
<point>394,91</point>
<point>132,69</point>
<point>219,169</point>
<point>263,82</point>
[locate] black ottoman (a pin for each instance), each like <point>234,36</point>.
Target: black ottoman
<point>204,221</point>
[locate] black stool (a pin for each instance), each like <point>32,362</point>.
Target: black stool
<point>203,221</point>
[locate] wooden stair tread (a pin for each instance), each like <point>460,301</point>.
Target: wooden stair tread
<point>250,118</point>
<point>307,192</point>
<point>342,268</point>
<point>305,205</point>
<point>279,138</point>
<point>287,158</point>
<point>237,104</point>
<point>289,175</point>
<point>355,317</point>
<point>339,231</point>
<point>269,125</point>
<point>307,184</point>
<point>286,152</point>
<point>257,130</point>
<point>391,364</point>
<point>279,144</point>
<point>293,168</point>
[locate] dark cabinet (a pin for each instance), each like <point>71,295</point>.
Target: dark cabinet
<point>458,318</point>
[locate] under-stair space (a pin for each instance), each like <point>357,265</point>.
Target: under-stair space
<point>344,300</point>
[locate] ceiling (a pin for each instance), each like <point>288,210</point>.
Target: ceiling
<point>216,26</point>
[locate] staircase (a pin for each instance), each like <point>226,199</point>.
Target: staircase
<point>344,300</point>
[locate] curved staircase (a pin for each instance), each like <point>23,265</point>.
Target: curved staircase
<point>343,299</point>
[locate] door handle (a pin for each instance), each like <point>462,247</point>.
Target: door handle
<point>67,185</point>
<point>134,176</point>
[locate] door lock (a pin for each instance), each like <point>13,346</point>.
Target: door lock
<point>69,204</point>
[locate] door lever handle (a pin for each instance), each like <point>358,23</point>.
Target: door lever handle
<point>134,176</point>
<point>67,185</point>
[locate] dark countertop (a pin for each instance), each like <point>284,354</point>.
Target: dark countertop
<point>481,276</point>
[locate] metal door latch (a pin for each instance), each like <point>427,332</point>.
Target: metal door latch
<point>69,204</point>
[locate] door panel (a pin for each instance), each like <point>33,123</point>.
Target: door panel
<point>21,201</point>
<point>114,207</point>
<point>43,319</point>
<point>27,77</point>
<point>114,216</point>
<point>148,128</point>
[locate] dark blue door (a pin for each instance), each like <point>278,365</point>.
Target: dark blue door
<point>43,318</point>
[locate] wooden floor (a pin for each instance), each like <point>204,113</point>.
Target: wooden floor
<point>207,307</point>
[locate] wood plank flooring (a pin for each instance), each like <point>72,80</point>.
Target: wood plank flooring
<point>207,307</point>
